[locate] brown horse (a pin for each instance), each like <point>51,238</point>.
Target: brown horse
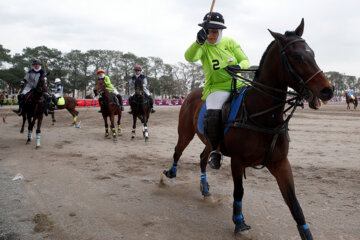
<point>109,108</point>
<point>259,134</point>
<point>70,104</point>
<point>140,106</point>
<point>349,100</point>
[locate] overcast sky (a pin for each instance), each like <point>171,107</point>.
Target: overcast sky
<point>165,28</point>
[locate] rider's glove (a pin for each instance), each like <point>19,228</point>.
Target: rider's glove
<point>22,83</point>
<point>202,36</point>
<point>233,68</point>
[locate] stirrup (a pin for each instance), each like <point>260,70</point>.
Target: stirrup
<point>210,160</point>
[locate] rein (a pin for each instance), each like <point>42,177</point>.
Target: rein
<point>294,102</point>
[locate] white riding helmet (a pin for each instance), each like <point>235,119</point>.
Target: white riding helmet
<point>57,80</point>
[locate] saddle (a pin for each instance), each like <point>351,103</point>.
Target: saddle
<point>115,99</point>
<point>228,112</point>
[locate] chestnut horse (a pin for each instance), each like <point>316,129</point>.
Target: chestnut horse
<point>349,100</point>
<point>259,134</point>
<point>34,109</point>
<point>109,108</point>
<point>70,104</point>
<point>140,107</point>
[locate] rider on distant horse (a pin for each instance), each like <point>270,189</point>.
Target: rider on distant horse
<point>58,91</point>
<point>217,54</point>
<point>101,75</point>
<point>30,82</point>
<point>139,80</point>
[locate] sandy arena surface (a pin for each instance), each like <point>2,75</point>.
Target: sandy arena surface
<point>79,185</point>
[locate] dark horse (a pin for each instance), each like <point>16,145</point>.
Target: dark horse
<point>109,108</point>
<point>259,134</point>
<point>2,98</point>
<point>34,109</point>
<point>70,104</point>
<point>349,100</point>
<point>140,106</point>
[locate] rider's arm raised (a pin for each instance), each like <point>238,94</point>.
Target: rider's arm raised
<point>194,52</point>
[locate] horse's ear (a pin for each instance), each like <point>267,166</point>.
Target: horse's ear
<point>300,29</point>
<point>278,37</point>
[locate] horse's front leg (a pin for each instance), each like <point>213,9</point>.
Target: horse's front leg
<point>112,124</point>
<point>53,120</point>
<point>283,174</point>
<point>237,171</point>
<point>23,123</point>
<point>30,127</point>
<point>106,126</point>
<point>38,130</point>
<point>118,122</point>
<point>145,131</point>
<point>133,134</point>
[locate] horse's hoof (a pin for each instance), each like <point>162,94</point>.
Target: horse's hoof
<point>132,137</point>
<point>169,174</point>
<point>204,189</point>
<point>146,139</point>
<point>114,139</point>
<point>21,131</point>
<point>241,226</point>
<point>37,147</point>
<point>28,141</point>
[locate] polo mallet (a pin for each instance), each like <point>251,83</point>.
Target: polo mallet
<point>209,16</point>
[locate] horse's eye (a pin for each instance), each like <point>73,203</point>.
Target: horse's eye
<point>298,58</point>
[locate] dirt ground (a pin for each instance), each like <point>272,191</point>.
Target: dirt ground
<point>79,185</point>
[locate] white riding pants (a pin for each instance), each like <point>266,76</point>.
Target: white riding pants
<point>216,100</point>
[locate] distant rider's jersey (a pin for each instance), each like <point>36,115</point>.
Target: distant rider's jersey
<point>109,86</point>
<point>32,79</point>
<point>140,82</point>
<point>214,58</point>
<point>59,90</point>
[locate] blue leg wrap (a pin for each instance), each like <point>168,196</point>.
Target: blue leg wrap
<point>173,167</point>
<point>204,185</point>
<point>203,177</point>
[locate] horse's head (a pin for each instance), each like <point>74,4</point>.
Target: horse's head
<point>138,91</point>
<point>299,67</point>
<point>41,86</point>
<point>100,87</point>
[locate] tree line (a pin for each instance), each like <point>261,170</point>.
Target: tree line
<point>77,71</point>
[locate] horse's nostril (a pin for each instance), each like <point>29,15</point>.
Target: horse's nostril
<point>327,93</point>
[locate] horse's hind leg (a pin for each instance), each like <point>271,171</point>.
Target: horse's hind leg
<point>186,133</point>
<point>204,185</point>
<point>237,171</point>
<point>283,174</point>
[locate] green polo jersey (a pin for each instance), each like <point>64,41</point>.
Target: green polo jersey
<point>214,59</point>
<point>108,83</point>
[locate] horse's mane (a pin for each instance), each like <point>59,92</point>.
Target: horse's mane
<point>257,73</point>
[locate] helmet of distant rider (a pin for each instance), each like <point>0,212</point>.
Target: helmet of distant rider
<point>100,73</point>
<point>216,21</point>
<point>137,68</point>
<point>36,62</point>
<point>57,80</point>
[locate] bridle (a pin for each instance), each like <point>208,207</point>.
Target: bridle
<point>295,76</point>
<point>294,102</point>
